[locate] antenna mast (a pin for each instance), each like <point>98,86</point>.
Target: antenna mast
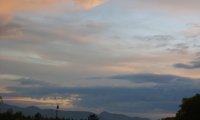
<point>1,102</point>
<point>57,108</point>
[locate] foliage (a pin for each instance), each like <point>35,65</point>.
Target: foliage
<point>93,117</point>
<point>190,109</point>
<point>169,118</point>
<point>10,115</point>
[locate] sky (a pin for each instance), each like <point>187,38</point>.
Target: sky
<point>135,57</point>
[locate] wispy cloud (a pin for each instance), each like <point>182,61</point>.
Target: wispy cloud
<point>173,7</point>
<point>67,102</point>
<point>10,77</point>
<point>31,58</point>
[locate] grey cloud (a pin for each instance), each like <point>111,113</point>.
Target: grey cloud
<point>9,30</point>
<point>158,41</point>
<point>172,6</point>
<point>32,82</point>
<point>180,48</point>
<point>163,38</point>
<point>156,78</point>
<point>185,66</point>
<point>192,65</point>
<point>116,99</point>
<point>166,96</point>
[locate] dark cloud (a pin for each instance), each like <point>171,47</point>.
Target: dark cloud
<point>155,78</point>
<point>192,65</point>
<point>116,99</point>
<point>32,82</point>
<point>166,96</point>
<point>185,66</point>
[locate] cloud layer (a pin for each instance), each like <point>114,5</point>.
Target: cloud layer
<point>164,97</point>
<point>120,56</point>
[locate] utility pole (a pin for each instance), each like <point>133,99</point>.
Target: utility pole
<point>1,102</point>
<point>57,108</point>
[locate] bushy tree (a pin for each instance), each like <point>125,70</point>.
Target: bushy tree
<point>190,109</point>
<point>93,117</point>
<point>10,115</point>
<point>169,118</point>
<point>38,116</point>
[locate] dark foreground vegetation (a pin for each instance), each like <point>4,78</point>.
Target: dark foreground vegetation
<point>189,109</point>
<point>9,115</point>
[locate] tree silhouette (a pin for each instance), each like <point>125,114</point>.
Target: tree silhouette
<point>169,118</point>
<point>93,117</point>
<point>10,115</point>
<point>38,116</point>
<point>190,109</point>
<point>18,115</point>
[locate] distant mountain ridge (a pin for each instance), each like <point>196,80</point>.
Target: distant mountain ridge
<point>76,115</point>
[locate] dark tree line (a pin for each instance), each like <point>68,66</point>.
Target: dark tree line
<point>189,109</point>
<point>9,115</point>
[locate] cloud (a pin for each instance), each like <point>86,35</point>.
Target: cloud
<point>7,80</point>
<point>8,29</point>
<point>10,10</point>
<point>117,99</point>
<point>88,4</point>
<point>10,77</point>
<point>31,58</point>
<point>192,65</point>
<point>173,7</point>
<point>66,102</point>
<point>10,7</point>
<point>155,38</point>
<point>164,97</point>
<point>48,50</point>
<point>192,32</point>
<point>13,6</point>
<point>155,78</point>
<point>26,82</point>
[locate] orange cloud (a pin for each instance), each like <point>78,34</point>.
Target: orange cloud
<point>88,4</point>
<point>3,90</point>
<point>47,101</point>
<point>8,8</point>
<point>12,6</point>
